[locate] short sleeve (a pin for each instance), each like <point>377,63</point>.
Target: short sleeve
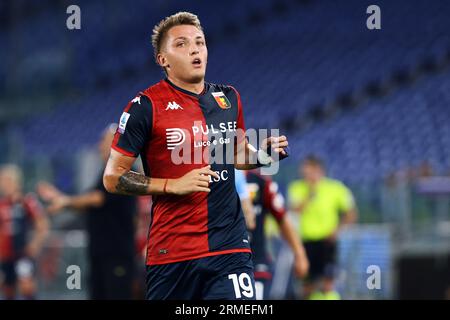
<point>135,126</point>
<point>240,123</point>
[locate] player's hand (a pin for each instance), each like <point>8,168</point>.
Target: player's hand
<point>49,193</point>
<point>301,266</point>
<point>275,144</point>
<point>298,208</point>
<point>58,204</point>
<point>196,180</point>
<point>333,237</point>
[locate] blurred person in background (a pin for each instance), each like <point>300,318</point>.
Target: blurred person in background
<point>325,206</point>
<point>244,196</point>
<point>141,236</point>
<point>267,199</point>
<point>23,229</point>
<point>110,226</point>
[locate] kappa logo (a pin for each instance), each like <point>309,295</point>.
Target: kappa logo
<point>175,137</point>
<point>137,99</point>
<point>173,106</point>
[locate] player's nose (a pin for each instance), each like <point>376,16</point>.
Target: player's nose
<point>194,51</point>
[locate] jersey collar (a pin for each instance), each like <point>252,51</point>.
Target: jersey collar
<point>193,94</point>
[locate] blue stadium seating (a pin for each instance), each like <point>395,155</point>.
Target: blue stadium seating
<point>283,67</point>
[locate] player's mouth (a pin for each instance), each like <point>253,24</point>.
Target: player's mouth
<point>197,63</point>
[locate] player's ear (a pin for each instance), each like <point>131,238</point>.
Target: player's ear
<point>162,61</point>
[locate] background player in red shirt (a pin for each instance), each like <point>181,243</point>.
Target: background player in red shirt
<point>19,216</point>
<point>266,199</point>
<point>198,245</point>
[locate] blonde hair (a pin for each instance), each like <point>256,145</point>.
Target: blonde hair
<point>13,171</point>
<point>177,19</point>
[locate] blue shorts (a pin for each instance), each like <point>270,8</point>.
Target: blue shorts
<point>221,277</point>
<point>15,269</point>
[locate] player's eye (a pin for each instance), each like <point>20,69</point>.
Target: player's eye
<point>201,43</point>
<point>180,44</point>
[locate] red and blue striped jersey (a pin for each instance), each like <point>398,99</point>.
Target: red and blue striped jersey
<point>175,131</point>
<point>17,219</point>
<point>266,199</point>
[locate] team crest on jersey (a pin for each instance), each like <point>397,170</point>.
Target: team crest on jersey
<point>222,100</point>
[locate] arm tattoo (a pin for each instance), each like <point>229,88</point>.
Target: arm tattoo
<point>133,183</point>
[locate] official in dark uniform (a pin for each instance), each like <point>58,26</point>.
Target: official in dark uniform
<point>110,226</point>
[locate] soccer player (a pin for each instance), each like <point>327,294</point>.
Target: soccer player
<point>21,216</point>
<point>266,200</point>
<point>198,245</point>
<point>325,206</point>
<point>110,227</point>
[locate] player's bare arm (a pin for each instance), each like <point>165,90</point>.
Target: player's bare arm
<point>41,230</point>
<point>58,200</point>
<point>348,218</point>
<point>301,263</point>
<point>120,179</point>
<point>247,157</point>
<point>249,213</point>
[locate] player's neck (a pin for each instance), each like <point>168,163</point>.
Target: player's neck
<point>196,88</point>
